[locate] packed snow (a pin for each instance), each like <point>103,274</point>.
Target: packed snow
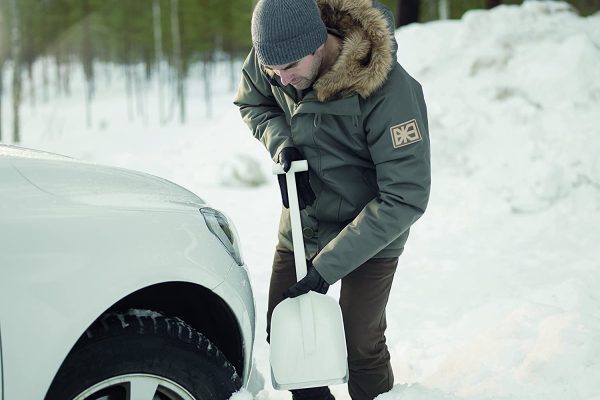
<point>497,295</point>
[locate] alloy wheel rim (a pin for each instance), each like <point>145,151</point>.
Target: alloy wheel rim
<point>136,387</point>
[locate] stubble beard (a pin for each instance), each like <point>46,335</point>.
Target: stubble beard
<point>306,82</point>
<point>303,84</point>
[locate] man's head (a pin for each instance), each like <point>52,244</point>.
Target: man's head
<point>288,36</point>
<point>302,73</point>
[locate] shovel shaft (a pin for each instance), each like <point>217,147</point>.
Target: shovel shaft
<point>298,242</point>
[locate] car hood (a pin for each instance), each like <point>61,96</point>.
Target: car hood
<point>97,185</point>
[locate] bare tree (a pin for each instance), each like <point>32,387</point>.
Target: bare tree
<point>407,12</point>
<point>87,55</point>
<point>1,89</point>
<point>129,90</point>
<point>177,58</point>
<point>2,55</point>
<point>139,91</point>
<point>16,57</point>
<point>45,79</point>
<point>444,9</point>
<point>432,11</point>
<point>158,52</point>
<point>207,64</point>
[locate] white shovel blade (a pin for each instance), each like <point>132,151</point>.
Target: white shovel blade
<point>301,359</point>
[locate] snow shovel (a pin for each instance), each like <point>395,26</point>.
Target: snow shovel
<point>308,345</point>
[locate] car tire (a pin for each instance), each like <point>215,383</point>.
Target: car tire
<point>120,349</point>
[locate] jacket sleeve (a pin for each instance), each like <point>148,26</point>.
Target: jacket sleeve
<point>260,110</point>
<point>397,136</point>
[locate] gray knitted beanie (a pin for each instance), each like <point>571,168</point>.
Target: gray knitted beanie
<point>284,31</point>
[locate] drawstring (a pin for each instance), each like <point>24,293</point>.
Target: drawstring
<point>355,120</point>
<point>317,120</point>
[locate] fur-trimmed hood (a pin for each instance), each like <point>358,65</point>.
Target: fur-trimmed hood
<point>367,156</point>
<point>368,48</point>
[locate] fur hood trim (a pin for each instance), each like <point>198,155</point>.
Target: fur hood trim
<point>366,55</point>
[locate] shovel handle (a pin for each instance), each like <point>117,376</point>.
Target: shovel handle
<point>296,166</point>
<point>298,242</point>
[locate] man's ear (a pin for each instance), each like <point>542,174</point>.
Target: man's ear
<point>319,49</point>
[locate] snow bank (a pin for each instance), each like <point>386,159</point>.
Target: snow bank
<point>497,295</point>
<point>514,99</point>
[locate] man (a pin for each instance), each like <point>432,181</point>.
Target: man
<point>322,83</point>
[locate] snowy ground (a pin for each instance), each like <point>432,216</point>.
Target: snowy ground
<point>498,293</point>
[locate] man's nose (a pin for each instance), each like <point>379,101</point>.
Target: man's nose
<point>285,76</point>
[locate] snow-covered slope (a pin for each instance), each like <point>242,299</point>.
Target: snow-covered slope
<point>514,97</point>
<point>497,297</point>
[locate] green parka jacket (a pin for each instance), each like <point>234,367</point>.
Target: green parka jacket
<point>363,130</point>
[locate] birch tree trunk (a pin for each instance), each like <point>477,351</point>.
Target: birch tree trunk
<point>176,38</point>
<point>2,60</point>
<point>206,76</point>
<point>432,10</point>
<point>129,91</point>
<point>45,79</point>
<point>31,83</point>
<point>88,61</point>
<point>57,72</point>
<point>66,77</point>
<point>407,12</point>
<point>158,53</point>
<point>138,89</point>
<point>16,56</point>
<point>444,9</point>
<point>1,89</point>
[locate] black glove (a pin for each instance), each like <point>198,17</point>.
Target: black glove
<point>306,196</point>
<point>312,281</point>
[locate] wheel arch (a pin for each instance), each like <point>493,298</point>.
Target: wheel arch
<point>198,306</point>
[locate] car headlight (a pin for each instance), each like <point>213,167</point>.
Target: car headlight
<point>222,227</point>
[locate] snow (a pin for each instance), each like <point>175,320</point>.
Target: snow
<point>496,295</point>
<point>16,151</point>
<point>139,313</point>
<point>241,395</point>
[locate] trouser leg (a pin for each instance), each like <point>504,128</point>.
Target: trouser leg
<point>363,299</point>
<point>283,275</point>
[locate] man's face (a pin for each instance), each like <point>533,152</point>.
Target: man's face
<point>300,74</point>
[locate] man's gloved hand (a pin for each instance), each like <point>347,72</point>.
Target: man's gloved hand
<point>312,281</point>
<point>306,196</point>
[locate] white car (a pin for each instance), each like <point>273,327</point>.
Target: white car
<point>116,284</point>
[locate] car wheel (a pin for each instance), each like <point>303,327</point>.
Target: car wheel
<point>143,355</point>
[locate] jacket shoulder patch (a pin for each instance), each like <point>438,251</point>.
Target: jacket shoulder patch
<point>405,133</point>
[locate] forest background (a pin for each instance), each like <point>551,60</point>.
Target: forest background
<point>160,40</point>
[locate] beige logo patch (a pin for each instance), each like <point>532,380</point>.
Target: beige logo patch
<point>405,133</point>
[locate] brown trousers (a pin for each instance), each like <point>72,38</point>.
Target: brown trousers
<point>363,298</point>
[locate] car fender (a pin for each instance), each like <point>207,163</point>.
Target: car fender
<point>50,297</point>
<point>236,290</point>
